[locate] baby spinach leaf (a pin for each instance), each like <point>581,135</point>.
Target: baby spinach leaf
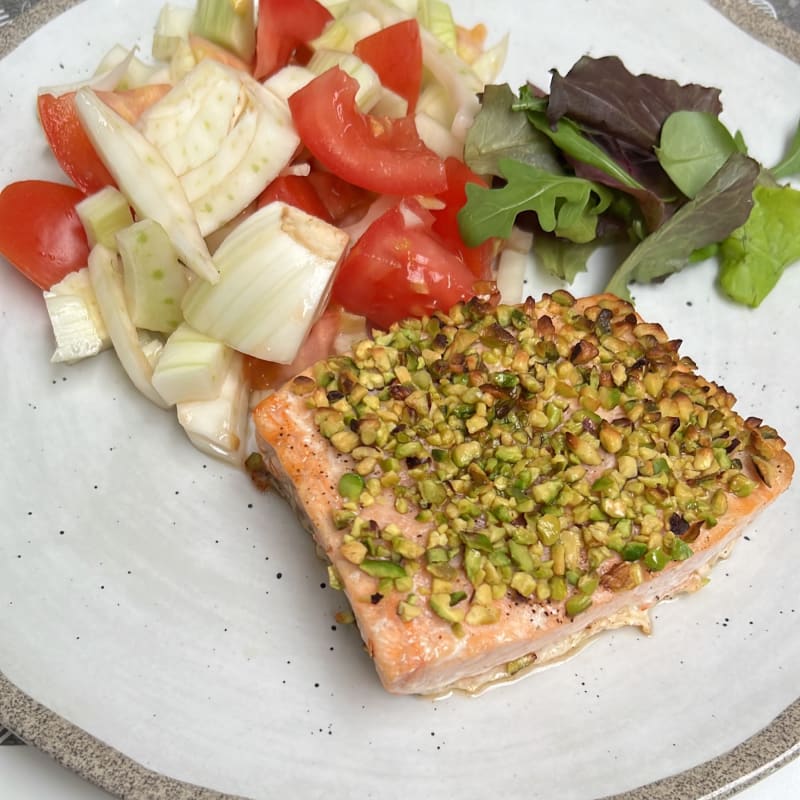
<point>499,132</point>
<point>602,95</point>
<point>754,256</point>
<point>694,145</point>
<point>790,164</point>
<point>566,206</point>
<point>720,207</point>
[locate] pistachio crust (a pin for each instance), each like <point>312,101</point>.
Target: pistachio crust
<point>545,451</point>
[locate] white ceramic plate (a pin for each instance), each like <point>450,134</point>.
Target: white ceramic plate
<point>153,599</point>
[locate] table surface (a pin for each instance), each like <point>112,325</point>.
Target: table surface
<point>28,774</point>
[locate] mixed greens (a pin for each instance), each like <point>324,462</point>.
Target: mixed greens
<point>611,156</point>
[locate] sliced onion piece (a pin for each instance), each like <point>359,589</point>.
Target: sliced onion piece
<point>512,265</point>
<point>78,326</point>
<point>276,270</point>
<point>110,76</point>
<point>104,274</point>
<point>369,84</point>
<point>457,77</point>
<point>232,150</point>
<point>218,427</point>
<point>153,278</point>
<point>192,366</point>
<point>172,28</point>
<point>208,93</point>
<point>207,130</point>
<point>288,80</point>
<point>273,147</point>
<point>343,32</point>
<point>138,73</point>
<point>143,176</point>
<point>488,64</point>
<point>437,137</point>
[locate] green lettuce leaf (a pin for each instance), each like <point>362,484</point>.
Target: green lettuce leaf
<point>566,206</point>
<point>790,163</point>
<point>720,207</point>
<point>499,132</point>
<point>754,256</point>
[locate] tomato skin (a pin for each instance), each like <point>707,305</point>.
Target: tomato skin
<point>130,103</point>
<point>297,191</point>
<point>381,154</point>
<point>40,231</point>
<point>398,269</point>
<point>284,26</point>
<point>479,259</point>
<point>395,53</point>
<point>317,345</point>
<point>70,144</point>
<point>345,203</point>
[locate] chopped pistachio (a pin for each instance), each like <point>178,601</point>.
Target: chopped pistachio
<point>539,456</point>
<point>380,568</point>
<point>523,583</point>
<point>440,605</point>
<point>482,615</point>
<point>354,551</point>
<point>577,604</point>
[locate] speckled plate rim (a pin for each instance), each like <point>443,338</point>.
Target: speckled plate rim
<point>724,776</point>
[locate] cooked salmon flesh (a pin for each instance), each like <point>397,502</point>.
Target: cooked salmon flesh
<point>494,485</point>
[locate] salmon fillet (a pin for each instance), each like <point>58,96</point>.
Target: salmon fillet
<point>495,485</point>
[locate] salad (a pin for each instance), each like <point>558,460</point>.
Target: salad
<point>276,180</point>
<point>219,186</point>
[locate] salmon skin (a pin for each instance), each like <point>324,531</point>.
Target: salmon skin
<point>494,485</point>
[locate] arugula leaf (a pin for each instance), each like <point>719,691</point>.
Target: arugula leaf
<point>602,95</point>
<point>499,132</point>
<point>753,257</point>
<point>790,164</point>
<point>561,258</point>
<point>720,207</point>
<point>694,145</point>
<point>566,206</point>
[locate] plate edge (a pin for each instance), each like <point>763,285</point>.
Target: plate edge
<point>761,754</point>
<point>14,33</point>
<point>88,756</point>
<point>766,751</point>
<point>745,15</point>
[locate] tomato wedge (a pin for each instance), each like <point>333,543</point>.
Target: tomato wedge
<point>479,259</point>
<point>345,203</point>
<point>283,27</point>
<point>381,154</point>
<point>297,191</point>
<point>395,53</point>
<point>398,269</point>
<point>130,103</point>
<point>70,144</point>
<point>40,231</point>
